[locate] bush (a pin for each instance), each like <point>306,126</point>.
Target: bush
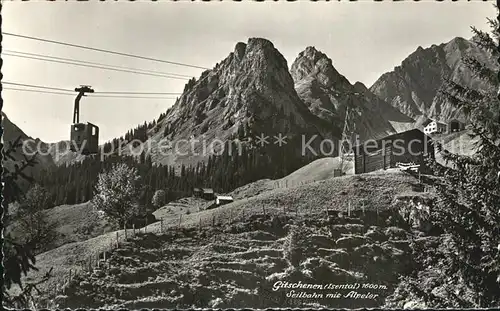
<point>159,198</point>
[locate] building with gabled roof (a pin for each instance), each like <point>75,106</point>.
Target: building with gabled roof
<point>434,127</point>
<point>207,193</point>
<point>406,147</point>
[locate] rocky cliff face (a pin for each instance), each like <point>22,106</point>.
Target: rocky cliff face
<point>328,94</point>
<point>413,86</point>
<point>248,93</point>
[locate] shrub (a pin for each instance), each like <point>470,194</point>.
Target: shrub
<point>159,198</point>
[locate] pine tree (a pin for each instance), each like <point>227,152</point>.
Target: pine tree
<point>468,209</point>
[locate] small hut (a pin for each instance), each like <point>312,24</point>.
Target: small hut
<point>207,193</point>
<point>455,125</point>
<point>406,147</point>
<point>197,192</point>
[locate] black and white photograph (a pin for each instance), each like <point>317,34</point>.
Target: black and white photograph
<point>250,154</point>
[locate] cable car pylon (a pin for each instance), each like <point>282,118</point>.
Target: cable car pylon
<point>84,137</point>
<point>81,92</point>
<point>347,139</point>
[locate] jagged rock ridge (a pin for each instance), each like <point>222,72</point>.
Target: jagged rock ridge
<point>251,89</point>
<point>327,93</point>
<point>413,87</point>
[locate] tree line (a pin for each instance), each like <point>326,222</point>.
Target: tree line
<point>468,209</point>
<point>233,168</point>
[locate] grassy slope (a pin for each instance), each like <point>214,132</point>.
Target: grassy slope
<point>380,189</point>
<point>77,223</point>
<point>320,169</point>
<point>236,265</point>
<point>184,206</point>
<point>73,223</point>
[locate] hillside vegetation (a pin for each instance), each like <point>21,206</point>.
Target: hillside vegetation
<point>72,223</point>
<point>236,265</point>
<point>239,250</point>
<point>369,231</point>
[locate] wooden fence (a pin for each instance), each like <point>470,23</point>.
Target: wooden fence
<point>281,184</point>
<point>219,217</point>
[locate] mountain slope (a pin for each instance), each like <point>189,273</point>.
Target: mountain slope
<point>248,93</point>
<point>10,133</point>
<point>328,94</point>
<point>413,87</point>
<point>245,243</point>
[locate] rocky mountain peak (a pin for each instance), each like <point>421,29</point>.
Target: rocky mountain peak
<point>260,43</point>
<point>459,43</point>
<point>312,53</point>
<point>413,87</point>
<point>251,89</point>
<point>259,50</point>
<point>239,50</point>
<point>360,87</point>
<point>314,64</point>
<point>328,94</point>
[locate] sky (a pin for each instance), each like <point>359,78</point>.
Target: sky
<point>364,39</point>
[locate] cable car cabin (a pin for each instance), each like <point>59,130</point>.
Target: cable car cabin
<point>84,138</point>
